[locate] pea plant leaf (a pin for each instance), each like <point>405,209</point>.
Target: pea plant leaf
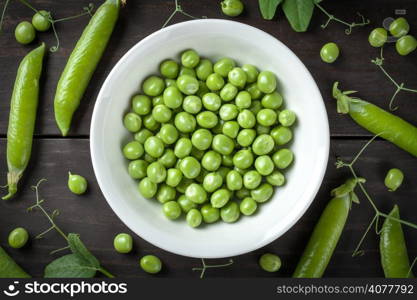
<point>298,13</point>
<point>78,248</point>
<point>268,8</point>
<point>70,266</point>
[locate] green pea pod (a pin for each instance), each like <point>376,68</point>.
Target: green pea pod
<point>83,62</point>
<point>22,117</point>
<point>326,235</point>
<point>377,120</point>
<point>9,268</point>
<point>394,256</point>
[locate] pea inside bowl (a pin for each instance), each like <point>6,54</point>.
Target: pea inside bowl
<point>213,39</point>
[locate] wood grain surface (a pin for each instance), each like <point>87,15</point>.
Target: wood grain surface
<point>90,215</point>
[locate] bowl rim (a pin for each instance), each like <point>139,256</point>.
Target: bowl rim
<point>112,203</point>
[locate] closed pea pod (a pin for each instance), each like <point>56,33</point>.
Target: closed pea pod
<point>22,118</point>
<point>377,120</point>
<point>394,256</point>
<point>9,268</point>
<point>327,232</point>
<point>83,62</point>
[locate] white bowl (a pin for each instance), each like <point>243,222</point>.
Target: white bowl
<point>213,39</point>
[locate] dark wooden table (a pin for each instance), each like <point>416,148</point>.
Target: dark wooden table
<point>53,156</point>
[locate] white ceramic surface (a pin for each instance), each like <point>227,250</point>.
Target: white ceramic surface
<point>212,38</point>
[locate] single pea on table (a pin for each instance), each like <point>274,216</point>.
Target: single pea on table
<point>209,139</point>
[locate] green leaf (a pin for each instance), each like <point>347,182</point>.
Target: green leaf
<point>79,249</point>
<point>69,266</point>
<point>317,1</point>
<point>298,13</point>
<point>268,8</point>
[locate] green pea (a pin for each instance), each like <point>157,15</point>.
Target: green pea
<point>147,188</point>
<point>151,264</point>
<point>201,176</point>
<point>188,84</point>
<point>77,184</point>
<point>158,100</point>
<point>283,158</point>
<point>230,212</point>
<point>204,69</point>
<point>41,20</point>
<point>185,122</point>
<point>215,82</point>
<point>237,77</point>
<point>150,123</point>
<point>228,112</point>
<point>262,129</point>
<point>183,147</point>
<point>224,66</point>
<point>123,243</point>
<point>187,71</point>
<point>153,86</point>
<point>251,73</point>
<point>220,198</point>
<point>287,117</point>
<point>243,159</point>
<point>248,206</point>
<point>256,107</point>
<point>212,182</point>
<point>190,167</point>
<point>141,104</point>
<point>223,144</point>
<point>246,119</point>
<point>133,150</point>
<point>232,8</point>
<point>246,137</point>
<point>194,218</point>
<point>211,101</point>
<point>156,172</point>
<point>228,92</point>
<point>219,127</point>
<point>399,27</point>
<point>234,181</point>
<point>243,99</point>
<point>231,129</point>
<point>186,204</point>
<point>266,117</point>
<point>148,158</point>
<point>227,160</point>
<point>171,210</point>
<point>137,169</point>
<point>329,53</point>
<point>270,262</point>
<point>132,122</point>
<point>281,135</point>
<point>276,178</point>
<point>196,193</point>
<point>185,182</point>
<point>170,82</point>
<point>161,113</point>
<point>406,44</point>
<point>25,33</point>
<point>378,37</point>
<point>211,161</point>
<point>242,193</point>
<point>201,139</point>
<point>207,119</point>
<point>168,159</point>
<point>272,101</point>
<point>210,214</point>
<point>264,165</point>
<point>254,91</point>
<point>172,97</point>
<point>18,237</point>
<point>190,59</point>
<point>154,147</point>
<point>166,193</point>
<point>252,179</point>
<point>223,171</point>
<point>198,154</point>
<point>263,193</point>
<point>169,134</point>
<point>192,104</point>
<point>202,89</point>
<point>267,82</point>
<point>169,69</point>
<point>263,144</point>
<point>394,179</point>
<point>142,135</point>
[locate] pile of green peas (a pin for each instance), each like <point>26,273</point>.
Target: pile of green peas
<point>399,28</point>
<point>209,139</point>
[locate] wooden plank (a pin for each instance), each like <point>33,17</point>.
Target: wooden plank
<point>91,217</point>
<point>140,18</point>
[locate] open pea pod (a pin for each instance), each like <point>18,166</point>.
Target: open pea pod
<point>377,120</point>
<point>327,232</point>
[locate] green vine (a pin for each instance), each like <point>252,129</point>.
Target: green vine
<point>350,26</point>
<point>379,61</point>
<point>87,11</point>
<point>178,9</point>
<point>206,266</point>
